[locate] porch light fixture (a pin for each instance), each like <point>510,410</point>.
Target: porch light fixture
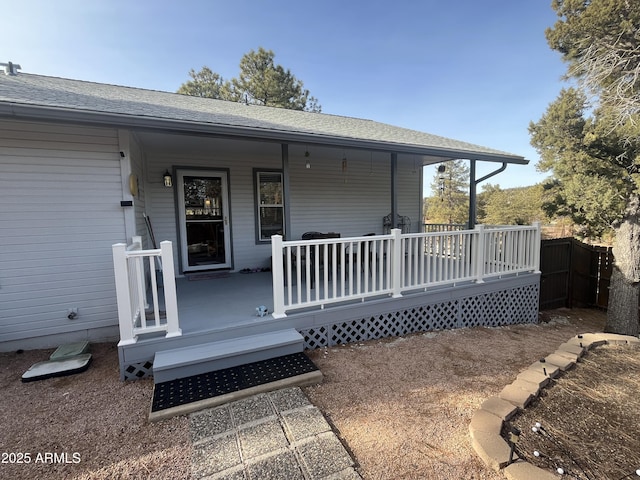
<point>168,179</point>
<point>307,155</point>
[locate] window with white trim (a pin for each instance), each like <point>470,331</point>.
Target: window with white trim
<point>270,205</point>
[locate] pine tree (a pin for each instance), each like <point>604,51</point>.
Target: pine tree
<point>260,82</point>
<point>449,202</point>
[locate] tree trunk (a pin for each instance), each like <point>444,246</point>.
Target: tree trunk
<point>622,314</point>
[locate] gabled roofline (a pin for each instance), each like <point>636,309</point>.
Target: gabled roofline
<point>38,112</point>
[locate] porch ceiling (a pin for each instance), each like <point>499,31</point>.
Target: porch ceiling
<point>185,144</point>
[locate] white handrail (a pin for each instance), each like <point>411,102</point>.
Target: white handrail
<point>134,276</point>
<point>308,273</point>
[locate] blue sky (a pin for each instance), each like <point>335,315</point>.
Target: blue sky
<point>477,71</point>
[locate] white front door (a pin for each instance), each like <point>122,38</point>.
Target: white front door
<point>203,212</point>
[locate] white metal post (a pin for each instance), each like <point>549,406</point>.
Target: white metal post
<point>277,275</point>
<point>396,263</point>
<point>480,253</point>
<point>123,298</point>
<point>170,296</point>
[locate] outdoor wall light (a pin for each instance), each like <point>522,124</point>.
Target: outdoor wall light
<point>168,179</point>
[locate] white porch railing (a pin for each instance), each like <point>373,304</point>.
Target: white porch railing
<point>443,227</point>
<point>308,273</point>
<point>136,276</point>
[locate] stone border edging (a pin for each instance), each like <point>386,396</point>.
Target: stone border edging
<point>486,424</point>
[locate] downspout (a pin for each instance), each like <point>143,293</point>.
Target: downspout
<point>473,187</point>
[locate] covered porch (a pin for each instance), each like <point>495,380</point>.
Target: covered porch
<point>332,291</point>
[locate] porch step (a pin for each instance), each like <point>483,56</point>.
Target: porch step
<point>208,390</point>
<point>198,359</point>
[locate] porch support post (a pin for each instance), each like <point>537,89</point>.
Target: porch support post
<point>126,169</point>
<point>169,283</point>
<point>277,272</point>
<point>396,263</point>
<point>472,196</point>
<point>123,298</point>
<point>394,190</point>
<point>286,190</point>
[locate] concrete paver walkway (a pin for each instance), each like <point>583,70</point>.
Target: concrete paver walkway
<point>275,435</point>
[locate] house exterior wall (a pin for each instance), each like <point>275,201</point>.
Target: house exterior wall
<point>352,202</point>
<point>60,212</point>
<point>60,191</point>
<point>323,197</point>
<point>238,159</point>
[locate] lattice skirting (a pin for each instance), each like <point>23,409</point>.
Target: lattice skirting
<point>505,307</point>
<point>136,371</point>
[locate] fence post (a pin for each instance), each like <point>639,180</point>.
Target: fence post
<point>479,251</point>
<point>277,276</point>
<point>537,247</point>
<point>123,298</point>
<point>169,283</point>
<point>396,263</point>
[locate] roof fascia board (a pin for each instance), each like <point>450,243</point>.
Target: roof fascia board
<point>37,112</point>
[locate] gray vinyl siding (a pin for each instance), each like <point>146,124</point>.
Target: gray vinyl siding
<point>238,158</point>
<point>60,213</point>
<point>320,198</point>
<point>353,202</point>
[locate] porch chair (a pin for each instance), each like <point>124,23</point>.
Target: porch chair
<point>317,236</point>
<point>403,222</point>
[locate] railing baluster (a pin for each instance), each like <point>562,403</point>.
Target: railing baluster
<point>289,278</point>
<point>154,290</point>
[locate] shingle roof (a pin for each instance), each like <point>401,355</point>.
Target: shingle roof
<point>27,95</point>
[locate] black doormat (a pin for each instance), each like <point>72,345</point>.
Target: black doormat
<point>208,385</point>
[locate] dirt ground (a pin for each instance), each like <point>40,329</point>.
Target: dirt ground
<point>589,419</point>
<point>96,424</point>
<point>401,405</point>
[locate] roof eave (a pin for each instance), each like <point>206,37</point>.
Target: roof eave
<point>38,112</point>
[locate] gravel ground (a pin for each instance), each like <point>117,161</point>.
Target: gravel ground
<point>96,424</point>
<point>402,406</point>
